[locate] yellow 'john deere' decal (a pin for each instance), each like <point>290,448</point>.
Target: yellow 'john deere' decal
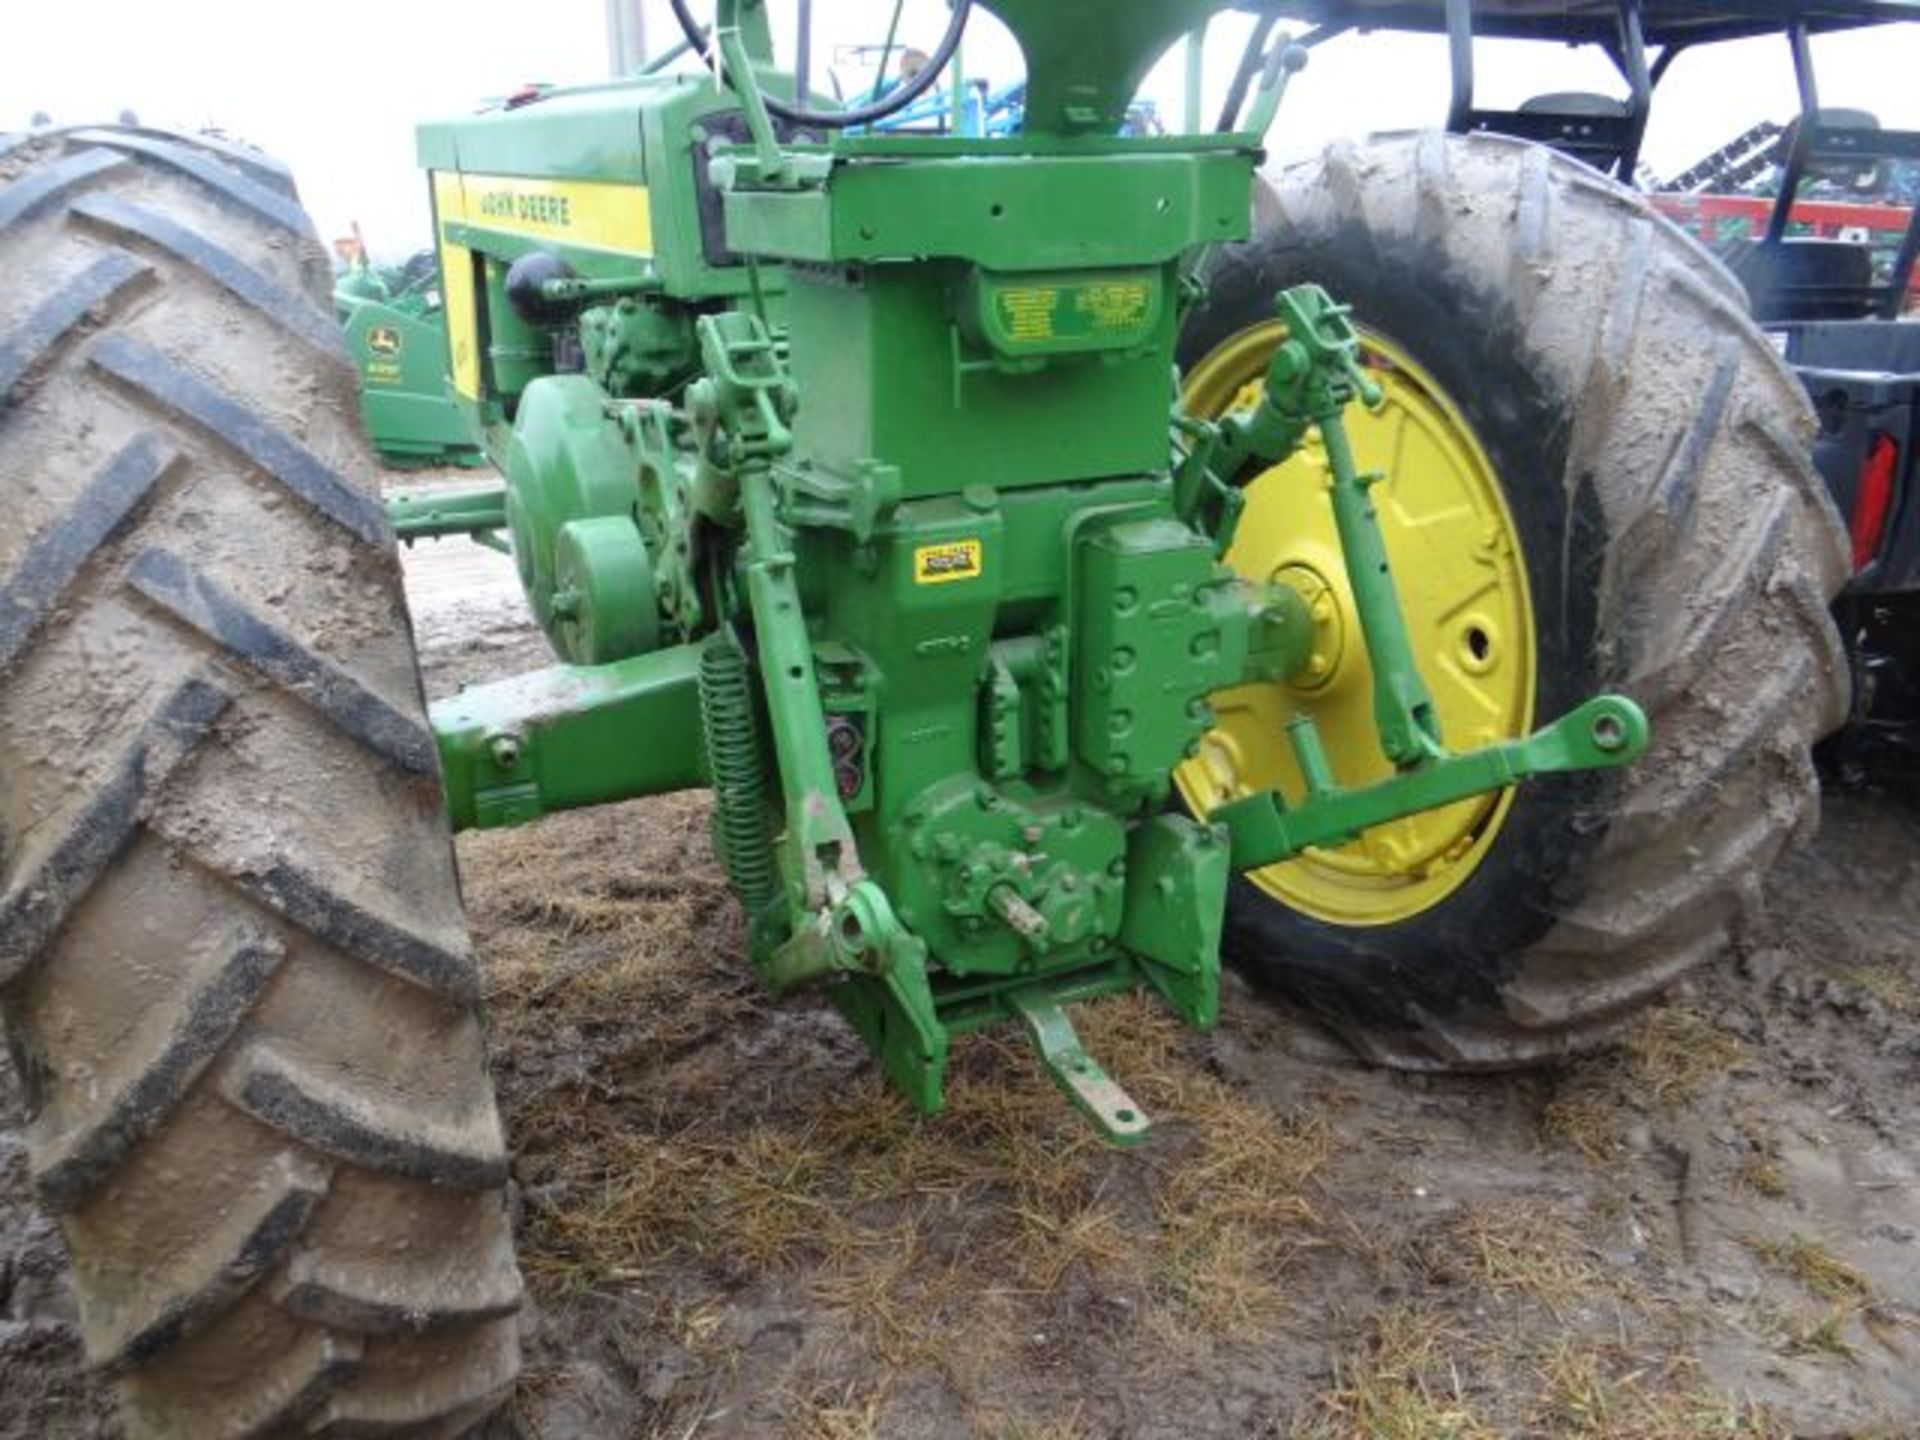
<point>954,560</point>
<point>592,213</point>
<point>456,290</point>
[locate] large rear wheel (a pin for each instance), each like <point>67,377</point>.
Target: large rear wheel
<point>234,974</point>
<point>1598,479</point>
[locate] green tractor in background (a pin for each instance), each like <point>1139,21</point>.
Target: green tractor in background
<point>1066,558</point>
<point>396,332</point>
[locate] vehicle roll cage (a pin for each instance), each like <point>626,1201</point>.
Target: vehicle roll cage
<point>1607,134</point>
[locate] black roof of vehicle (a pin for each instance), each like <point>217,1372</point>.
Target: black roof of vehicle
<point>1597,21</point>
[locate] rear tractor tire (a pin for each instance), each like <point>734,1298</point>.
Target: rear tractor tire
<point>1599,478</point>
<point>234,973</point>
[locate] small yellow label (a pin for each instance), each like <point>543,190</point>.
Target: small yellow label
<point>1028,311</point>
<point>954,560</point>
<point>1117,305</point>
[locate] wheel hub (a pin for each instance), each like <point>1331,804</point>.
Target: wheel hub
<point>1329,619</point>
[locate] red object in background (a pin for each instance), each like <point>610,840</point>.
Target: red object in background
<point>1873,502</point>
<point>1701,215</point>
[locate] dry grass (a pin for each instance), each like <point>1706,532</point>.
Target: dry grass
<point>1821,1272</point>
<point>1404,1384</point>
<point>1590,1392</point>
<point>1761,1173</point>
<point>1666,1061</point>
<point>847,1412</point>
<point>1759,1169</point>
<point>1886,981</point>
<point>1674,1053</point>
<point>1587,1118</point>
<point>1065,1427</point>
<point>1811,1331</point>
<point>1517,1248</point>
<point>1845,1295</point>
<point>1419,1374</point>
<point>1825,1334</point>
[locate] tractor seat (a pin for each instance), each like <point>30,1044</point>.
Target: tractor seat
<point>1866,173</point>
<point>1595,128</point>
<point>1805,279</point>
<point>1576,104</point>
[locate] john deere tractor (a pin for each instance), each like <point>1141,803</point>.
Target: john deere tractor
<point>1066,557</point>
<point>396,336</point>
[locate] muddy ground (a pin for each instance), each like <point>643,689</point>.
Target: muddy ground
<point>731,1228</point>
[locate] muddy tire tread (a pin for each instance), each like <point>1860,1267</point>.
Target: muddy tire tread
<point>233,970</point>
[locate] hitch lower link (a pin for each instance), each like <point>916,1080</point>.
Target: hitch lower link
<point>1314,375</point>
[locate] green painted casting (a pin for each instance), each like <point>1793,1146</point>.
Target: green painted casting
<point>513,750</point>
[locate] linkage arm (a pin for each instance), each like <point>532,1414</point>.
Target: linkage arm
<point>1314,375</point>
<point>1605,732</point>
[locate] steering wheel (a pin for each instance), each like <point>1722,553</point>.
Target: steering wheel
<point>895,100</point>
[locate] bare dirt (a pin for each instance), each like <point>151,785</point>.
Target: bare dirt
<point>732,1228</point>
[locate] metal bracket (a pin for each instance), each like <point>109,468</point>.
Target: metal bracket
<point>1093,1092</point>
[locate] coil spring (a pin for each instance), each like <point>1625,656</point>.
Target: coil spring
<point>734,767</point>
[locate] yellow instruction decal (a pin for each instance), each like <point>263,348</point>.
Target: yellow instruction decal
<point>951,560</point>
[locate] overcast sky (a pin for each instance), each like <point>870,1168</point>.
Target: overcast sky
<point>335,90</point>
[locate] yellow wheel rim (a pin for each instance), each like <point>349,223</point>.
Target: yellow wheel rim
<point>1463,585</point>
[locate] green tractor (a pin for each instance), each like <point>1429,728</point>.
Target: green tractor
<point>1066,558</point>
<point>396,332</point>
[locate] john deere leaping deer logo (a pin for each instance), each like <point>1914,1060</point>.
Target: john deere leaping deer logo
<point>383,340</point>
